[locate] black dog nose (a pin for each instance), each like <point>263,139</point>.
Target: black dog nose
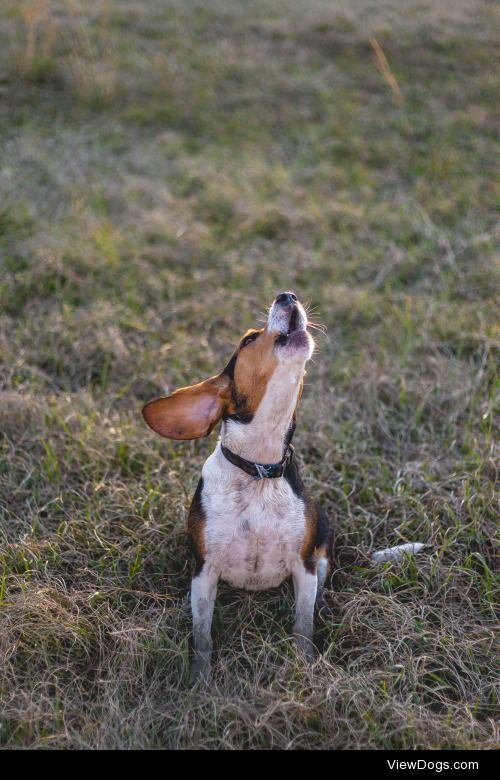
<point>285,298</point>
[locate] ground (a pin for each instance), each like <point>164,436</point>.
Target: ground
<point>167,168</point>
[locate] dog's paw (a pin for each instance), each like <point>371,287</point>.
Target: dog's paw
<point>305,646</point>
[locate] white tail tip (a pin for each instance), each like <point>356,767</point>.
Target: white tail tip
<point>396,553</point>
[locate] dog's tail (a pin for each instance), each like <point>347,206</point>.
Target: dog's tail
<point>396,553</point>
<point>344,556</point>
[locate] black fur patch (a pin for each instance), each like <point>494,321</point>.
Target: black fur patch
<point>229,369</point>
<point>240,411</point>
<point>292,476</point>
<point>241,418</point>
<point>310,565</point>
<point>324,530</point>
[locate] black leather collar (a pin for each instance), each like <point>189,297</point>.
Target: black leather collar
<point>260,470</point>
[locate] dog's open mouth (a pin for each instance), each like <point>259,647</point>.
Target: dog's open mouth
<point>294,325</point>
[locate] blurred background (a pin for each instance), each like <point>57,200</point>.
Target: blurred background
<point>166,168</point>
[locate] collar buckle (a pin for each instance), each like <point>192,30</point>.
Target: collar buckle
<point>270,470</point>
<point>261,471</point>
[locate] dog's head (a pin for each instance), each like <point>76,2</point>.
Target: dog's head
<point>260,384</point>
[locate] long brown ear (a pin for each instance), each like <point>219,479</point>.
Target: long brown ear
<point>191,412</point>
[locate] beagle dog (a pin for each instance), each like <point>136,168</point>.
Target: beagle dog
<point>252,522</point>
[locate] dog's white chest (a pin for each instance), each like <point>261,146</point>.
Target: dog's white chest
<point>254,529</point>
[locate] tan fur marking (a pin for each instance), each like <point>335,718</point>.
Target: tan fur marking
<point>254,368</point>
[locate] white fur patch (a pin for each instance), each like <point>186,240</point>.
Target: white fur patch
<point>254,528</point>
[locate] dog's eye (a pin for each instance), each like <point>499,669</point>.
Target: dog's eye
<point>248,339</point>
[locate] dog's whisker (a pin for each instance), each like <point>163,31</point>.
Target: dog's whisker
<point>318,326</point>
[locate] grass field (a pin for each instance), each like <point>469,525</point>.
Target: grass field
<point>167,167</point>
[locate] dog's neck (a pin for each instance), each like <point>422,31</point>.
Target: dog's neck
<point>263,439</point>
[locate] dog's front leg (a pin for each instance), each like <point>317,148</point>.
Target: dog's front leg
<point>203,592</point>
<point>305,585</point>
